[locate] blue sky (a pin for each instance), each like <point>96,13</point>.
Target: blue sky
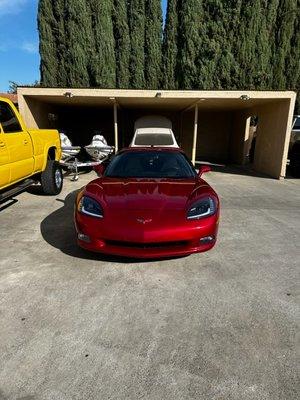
<point>19,57</point>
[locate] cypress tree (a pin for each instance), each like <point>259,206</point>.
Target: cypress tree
<point>122,43</point>
<point>170,50</point>
<point>78,36</point>
<point>266,44</point>
<point>103,60</point>
<point>216,64</point>
<point>292,64</point>
<point>153,44</point>
<point>246,45</point>
<point>190,18</point>
<point>137,40</point>
<point>271,8</point>
<point>47,26</point>
<point>205,42</point>
<point>294,73</point>
<point>286,22</point>
<point>227,36</point>
<point>61,41</point>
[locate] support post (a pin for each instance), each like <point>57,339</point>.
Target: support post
<point>195,135</point>
<point>116,126</point>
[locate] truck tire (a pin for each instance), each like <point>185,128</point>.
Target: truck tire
<point>52,178</point>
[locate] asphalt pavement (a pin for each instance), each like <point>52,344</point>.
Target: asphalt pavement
<point>217,325</point>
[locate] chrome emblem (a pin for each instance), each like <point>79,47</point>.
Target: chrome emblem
<point>144,221</point>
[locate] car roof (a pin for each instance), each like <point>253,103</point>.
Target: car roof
<point>150,148</point>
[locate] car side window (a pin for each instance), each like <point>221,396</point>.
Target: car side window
<point>8,119</point>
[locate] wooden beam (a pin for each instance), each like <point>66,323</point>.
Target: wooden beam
<point>190,106</point>
<point>195,135</point>
<point>116,126</point>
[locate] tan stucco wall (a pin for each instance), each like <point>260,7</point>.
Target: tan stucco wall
<point>35,113</point>
<point>194,95</point>
<point>273,136</point>
<point>213,136</point>
<point>220,136</point>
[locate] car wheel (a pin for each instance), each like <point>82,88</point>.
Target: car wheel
<point>295,168</point>
<point>52,178</point>
<point>295,160</point>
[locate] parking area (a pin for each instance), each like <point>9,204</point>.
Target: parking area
<point>215,126</point>
<point>217,325</point>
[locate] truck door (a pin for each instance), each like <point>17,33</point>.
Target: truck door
<point>18,144</point>
<point>4,162</point>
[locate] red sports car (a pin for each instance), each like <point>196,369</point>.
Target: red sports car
<point>148,203</point>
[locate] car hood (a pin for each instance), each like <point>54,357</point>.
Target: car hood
<point>146,194</point>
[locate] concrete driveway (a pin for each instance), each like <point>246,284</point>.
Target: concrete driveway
<point>218,325</point>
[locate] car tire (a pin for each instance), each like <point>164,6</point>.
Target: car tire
<point>295,160</point>
<point>295,168</point>
<point>52,178</point>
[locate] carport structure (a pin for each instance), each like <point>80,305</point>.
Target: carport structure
<point>210,126</point>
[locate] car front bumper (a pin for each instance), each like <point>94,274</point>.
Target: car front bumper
<point>187,240</point>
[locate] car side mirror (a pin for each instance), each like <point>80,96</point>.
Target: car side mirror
<point>99,169</point>
<point>203,169</point>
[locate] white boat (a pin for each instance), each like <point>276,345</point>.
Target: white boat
<point>66,146</point>
<point>98,148</point>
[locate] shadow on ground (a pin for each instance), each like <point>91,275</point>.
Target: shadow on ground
<point>244,170</point>
<point>58,230</point>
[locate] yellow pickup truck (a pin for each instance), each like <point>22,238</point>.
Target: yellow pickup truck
<point>27,155</point>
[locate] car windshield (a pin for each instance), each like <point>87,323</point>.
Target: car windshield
<point>297,123</point>
<point>150,164</point>
<point>154,139</point>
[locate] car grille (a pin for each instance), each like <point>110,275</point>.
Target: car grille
<point>158,245</point>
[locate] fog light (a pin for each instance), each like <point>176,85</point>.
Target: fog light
<point>84,238</point>
<point>207,239</point>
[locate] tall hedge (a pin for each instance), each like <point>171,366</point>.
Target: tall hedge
<point>232,44</point>
<point>293,72</point>
<point>103,60</point>
<point>137,43</point>
<point>206,44</point>
<point>215,61</point>
<point>59,9</point>
<point>286,19</point>
<point>122,43</point>
<point>170,46</point>
<point>190,17</point>
<point>253,45</point>
<point>48,27</point>
<point>153,43</point>
<point>79,43</point>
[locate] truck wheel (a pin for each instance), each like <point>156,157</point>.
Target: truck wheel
<point>52,178</point>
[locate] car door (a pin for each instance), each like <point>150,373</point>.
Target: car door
<point>18,143</point>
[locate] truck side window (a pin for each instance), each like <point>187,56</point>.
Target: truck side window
<point>8,119</point>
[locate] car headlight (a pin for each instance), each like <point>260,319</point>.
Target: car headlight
<point>202,208</point>
<point>90,207</point>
